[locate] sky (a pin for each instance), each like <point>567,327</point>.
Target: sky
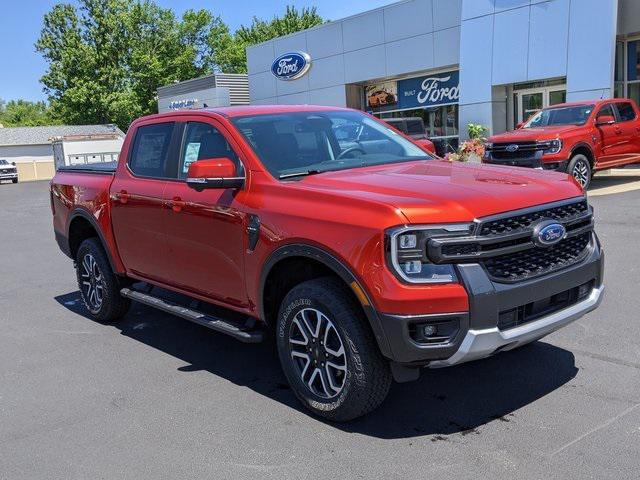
<point>21,22</point>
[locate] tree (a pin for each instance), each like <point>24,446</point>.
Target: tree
<point>228,50</point>
<point>23,113</point>
<point>108,57</point>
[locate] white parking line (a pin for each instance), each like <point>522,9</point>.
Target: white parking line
<point>626,187</point>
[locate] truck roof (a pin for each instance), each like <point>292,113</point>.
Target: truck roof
<point>244,110</point>
<point>595,102</point>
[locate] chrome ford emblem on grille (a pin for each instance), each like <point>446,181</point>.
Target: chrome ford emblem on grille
<point>548,233</point>
<point>511,148</point>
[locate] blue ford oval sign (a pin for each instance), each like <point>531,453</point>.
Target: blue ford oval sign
<point>548,233</point>
<point>291,65</point>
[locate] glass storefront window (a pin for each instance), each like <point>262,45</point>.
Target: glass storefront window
<point>440,124</point>
<point>633,92</point>
<point>633,60</point>
<point>619,67</point>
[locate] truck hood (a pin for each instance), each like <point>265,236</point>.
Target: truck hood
<point>439,191</point>
<point>531,134</point>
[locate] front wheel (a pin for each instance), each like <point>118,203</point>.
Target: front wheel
<point>580,168</point>
<point>14,180</point>
<point>99,286</point>
<point>328,353</point>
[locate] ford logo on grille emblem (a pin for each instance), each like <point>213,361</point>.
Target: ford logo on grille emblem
<point>291,66</point>
<point>512,148</point>
<point>548,233</point>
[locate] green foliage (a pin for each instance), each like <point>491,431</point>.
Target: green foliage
<point>23,113</point>
<point>476,131</point>
<point>106,58</point>
<point>228,50</point>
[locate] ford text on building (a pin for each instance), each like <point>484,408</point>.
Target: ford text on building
<point>452,62</point>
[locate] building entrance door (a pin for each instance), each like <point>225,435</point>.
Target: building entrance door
<point>531,101</point>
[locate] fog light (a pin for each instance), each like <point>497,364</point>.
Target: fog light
<point>584,289</point>
<point>408,241</point>
<point>429,330</point>
<point>414,266</point>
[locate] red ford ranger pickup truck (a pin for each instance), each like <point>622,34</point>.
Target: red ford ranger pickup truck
<point>365,259</point>
<point>578,138</point>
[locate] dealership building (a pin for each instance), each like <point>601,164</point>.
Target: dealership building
<point>454,62</point>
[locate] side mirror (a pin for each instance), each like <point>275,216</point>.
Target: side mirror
<point>213,173</point>
<point>605,120</point>
<point>519,126</point>
<point>426,145</point>
<point>13,163</point>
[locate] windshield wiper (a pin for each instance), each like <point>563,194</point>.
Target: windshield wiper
<point>302,173</point>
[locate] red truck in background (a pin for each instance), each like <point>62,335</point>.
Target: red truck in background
<point>579,138</point>
<point>364,256</point>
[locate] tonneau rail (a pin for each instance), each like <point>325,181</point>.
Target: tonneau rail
<point>107,168</point>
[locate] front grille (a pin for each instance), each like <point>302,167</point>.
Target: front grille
<point>524,222</point>
<point>525,150</point>
<point>505,244</point>
<point>538,261</point>
<point>8,170</point>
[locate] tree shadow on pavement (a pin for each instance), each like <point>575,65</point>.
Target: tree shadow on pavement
<point>444,401</point>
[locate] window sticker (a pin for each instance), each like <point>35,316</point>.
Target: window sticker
<point>190,155</point>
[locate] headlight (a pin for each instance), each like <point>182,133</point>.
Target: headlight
<point>407,252</point>
<point>488,145</point>
<point>551,146</point>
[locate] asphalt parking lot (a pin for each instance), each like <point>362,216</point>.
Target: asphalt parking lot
<point>157,397</point>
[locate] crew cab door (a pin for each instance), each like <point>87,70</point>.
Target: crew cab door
<point>612,143</point>
<point>205,230</point>
<point>629,127</point>
<point>137,195</point>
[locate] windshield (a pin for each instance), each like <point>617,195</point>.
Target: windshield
<point>560,116</point>
<point>4,162</point>
<point>301,143</point>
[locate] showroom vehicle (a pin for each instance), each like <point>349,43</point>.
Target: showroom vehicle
<point>365,259</point>
<point>413,127</point>
<point>8,171</point>
<point>579,138</point>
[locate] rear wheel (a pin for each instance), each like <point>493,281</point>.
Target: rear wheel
<point>580,168</point>
<point>99,286</point>
<point>328,353</point>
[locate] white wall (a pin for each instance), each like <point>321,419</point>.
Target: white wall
<point>511,41</point>
<point>27,153</point>
<point>403,38</point>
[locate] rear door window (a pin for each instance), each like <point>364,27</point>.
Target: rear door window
<point>150,153</point>
<point>626,112</point>
<point>415,127</point>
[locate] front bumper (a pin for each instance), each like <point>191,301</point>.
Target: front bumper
<point>480,333</point>
<point>483,343</point>
<point>8,176</point>
<point>535,160</point>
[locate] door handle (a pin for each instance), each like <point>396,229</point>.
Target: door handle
<point>176,204</point>
<point>122,196</point>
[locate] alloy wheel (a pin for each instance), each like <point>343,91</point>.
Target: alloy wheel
<point>581,173</point>
<point>318,353</point>
<point>92,283</point>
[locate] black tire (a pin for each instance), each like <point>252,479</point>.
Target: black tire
<point>14,180</point>
<point>99,286</point>
<point>367,379</point>
<point>580,168</point>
